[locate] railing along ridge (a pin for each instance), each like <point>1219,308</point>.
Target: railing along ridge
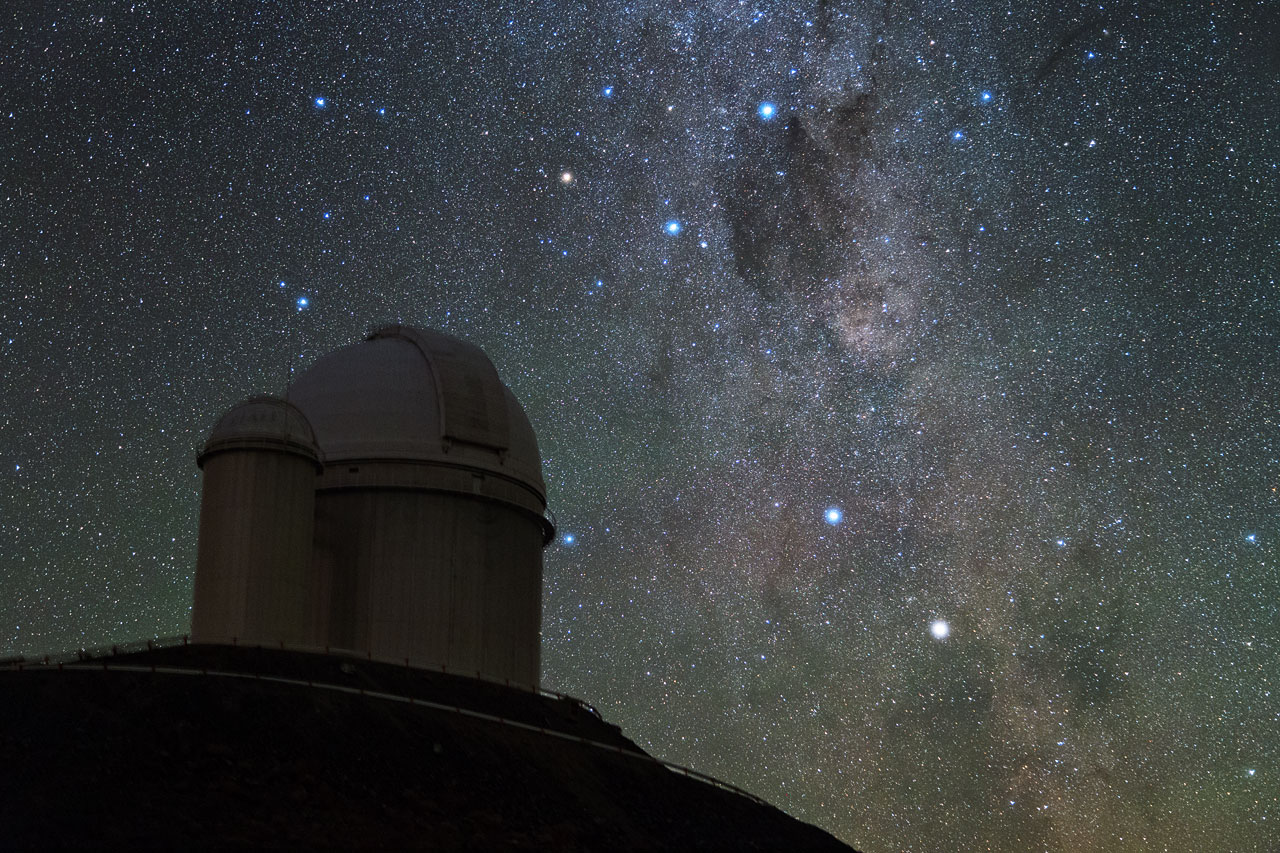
<point>100,658</point>
<point>99,652</point>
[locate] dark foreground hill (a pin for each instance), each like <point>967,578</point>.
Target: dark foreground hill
<point>213,746</point>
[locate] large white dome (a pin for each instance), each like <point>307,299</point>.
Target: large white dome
<point>418,396</point>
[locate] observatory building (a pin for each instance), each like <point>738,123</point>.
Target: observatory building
<point>362,669</point>
<point>391,504</point>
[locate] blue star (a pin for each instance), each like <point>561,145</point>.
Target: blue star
<point>1251,538</point>
<point>382,111</point>
<point>986,96</point>
<point>673,227</point>
<point>569,539</point>
<point>767,110</point>
<point>607,91</point>
<point>957,135</point>
<point>282,284</point>
<point>327,214</point>
<point>834,515</point>
<point>302,302</point>
<point>320,102</point>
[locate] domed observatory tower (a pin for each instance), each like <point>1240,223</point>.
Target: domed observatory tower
<point>429,508</point>
<point>257,517</point>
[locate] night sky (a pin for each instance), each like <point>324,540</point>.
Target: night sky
<point>905,374</point>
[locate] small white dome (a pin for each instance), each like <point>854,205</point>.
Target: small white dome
<point>262,423</point>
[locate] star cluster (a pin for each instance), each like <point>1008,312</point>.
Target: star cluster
<point>904,374</point>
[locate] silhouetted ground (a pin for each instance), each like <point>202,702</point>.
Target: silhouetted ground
<point>127,759</point>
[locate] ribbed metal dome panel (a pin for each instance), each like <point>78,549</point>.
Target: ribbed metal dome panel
<point>417,395</point>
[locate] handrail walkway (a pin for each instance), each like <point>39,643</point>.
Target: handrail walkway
<point>138,646</point>
<point>84,661</point>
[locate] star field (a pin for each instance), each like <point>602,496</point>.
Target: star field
<point>905,375</point>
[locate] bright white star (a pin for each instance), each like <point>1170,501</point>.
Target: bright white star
<point>673,227</point>
<point>834,515</point>
<point>940,629</point>
<point>767,110</point>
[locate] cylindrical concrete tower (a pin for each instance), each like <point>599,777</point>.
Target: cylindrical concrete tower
<point>257,520</point>
<point>430,510</point>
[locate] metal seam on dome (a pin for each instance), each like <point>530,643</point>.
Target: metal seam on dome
<point>398,332</point>
<point>450,436</point>
<point>548,528</point>
<point>513,479</point>
<point>258,442</point>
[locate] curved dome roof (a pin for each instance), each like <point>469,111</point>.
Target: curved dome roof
<point>262,422</point>
<point>417,395</point>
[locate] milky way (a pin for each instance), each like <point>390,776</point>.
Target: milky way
<point>904,374</point>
